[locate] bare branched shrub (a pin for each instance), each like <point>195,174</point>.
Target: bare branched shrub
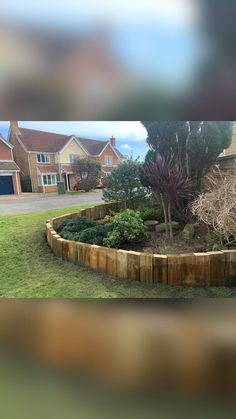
<point>217,207</point>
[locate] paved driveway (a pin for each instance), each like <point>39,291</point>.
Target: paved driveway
<point>37,202</point>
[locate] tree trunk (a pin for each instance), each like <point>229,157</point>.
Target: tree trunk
<point>165,215</point>
<point>170,221</point>
<point>186,154</point>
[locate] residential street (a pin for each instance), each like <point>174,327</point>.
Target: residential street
<point>37,202</point>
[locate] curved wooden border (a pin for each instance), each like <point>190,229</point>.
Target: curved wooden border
<point>192,269</point>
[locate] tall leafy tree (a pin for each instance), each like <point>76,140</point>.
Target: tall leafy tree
<point>193,145</point>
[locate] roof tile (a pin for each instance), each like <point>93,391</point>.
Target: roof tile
<point>8,165</point>
<point>46,142</point>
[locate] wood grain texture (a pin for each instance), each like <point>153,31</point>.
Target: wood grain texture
<point>217,269</point>
<point>188,271</point>
<point>174,270</point>
<point>102,259</point>
<point>122,263</point>
<point>146,267</point>
<point>111,258</point>
<point>160,269</point>
<point>94,256</point>
<point>202,269</point>
<point>230,267</point>
<point>133,265</point>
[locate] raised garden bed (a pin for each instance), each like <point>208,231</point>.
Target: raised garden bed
<point>194,269</point>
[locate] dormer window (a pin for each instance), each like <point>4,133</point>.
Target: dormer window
<point>43,158</point>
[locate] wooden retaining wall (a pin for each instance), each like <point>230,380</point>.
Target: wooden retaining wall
<point>192,269</point>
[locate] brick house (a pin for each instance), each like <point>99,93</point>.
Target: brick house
<point>9,171</point>
<point>105,152</point>
<point>45,157</point>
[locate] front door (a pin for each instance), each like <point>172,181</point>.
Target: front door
<point>6,185</point>
<point>67,182</point>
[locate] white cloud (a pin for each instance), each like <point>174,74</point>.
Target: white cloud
<point>126,147</point>
<point>122,130</point>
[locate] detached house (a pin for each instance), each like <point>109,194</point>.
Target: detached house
<point>46,157</point>
<point>9,171</point>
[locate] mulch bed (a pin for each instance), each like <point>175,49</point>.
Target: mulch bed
<point>157,242</point>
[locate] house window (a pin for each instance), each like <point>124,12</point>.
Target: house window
<point>43,158</point>
<point>108,160</point>
<point>47,180</point>
<point>73,158</point>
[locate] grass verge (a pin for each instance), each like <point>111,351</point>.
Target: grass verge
<point>29,269</point>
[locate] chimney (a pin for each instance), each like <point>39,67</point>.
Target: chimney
<point>113,141</point>
<point>14,127</point>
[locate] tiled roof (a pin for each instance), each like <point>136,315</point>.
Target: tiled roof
<point>46,142</point>
<point>8,165</point>
<point>68,168</point>
<point>47,169</point>
<point>93,147</point>
<point>5,141</point>
<point>119,153</point>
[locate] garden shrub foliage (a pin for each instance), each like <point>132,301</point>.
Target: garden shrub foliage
<point>128,227</point>
<point>124,227</point>
<point>155,213</point>
<point>84,230</point>
<point>124,184</point>
<point>75,225</point>
<point>95,235</point>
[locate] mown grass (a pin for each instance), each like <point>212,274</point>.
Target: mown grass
<point>29,269</point>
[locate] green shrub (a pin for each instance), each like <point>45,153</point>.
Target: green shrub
<point>124,185</point>
<point>95,235</point>
<point>70,235</point>
<point>109,217</point>
<point>153,213</point>
<point>214,241</point>
<point>77,225</point>
<point>188,232</point>
<point>127,226</point>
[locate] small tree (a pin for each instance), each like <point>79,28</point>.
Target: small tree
<point>123,184</point>
<point>168,183</point>
<point>88,172</point>
<point>217,207</point>
<point>194,144</point>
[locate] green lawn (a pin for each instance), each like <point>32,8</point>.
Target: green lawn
<point>29,269</point>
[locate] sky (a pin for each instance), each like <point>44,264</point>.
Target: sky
<point>130,135</point>
<point>175,12</point>
<point>158,41</point>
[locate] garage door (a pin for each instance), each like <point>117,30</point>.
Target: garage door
<point>6,185</point>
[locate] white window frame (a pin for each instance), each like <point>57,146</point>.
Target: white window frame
<point>47,179</point>
<point>110,160</point>
<point>73,157</point>
<point>45,157</point>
